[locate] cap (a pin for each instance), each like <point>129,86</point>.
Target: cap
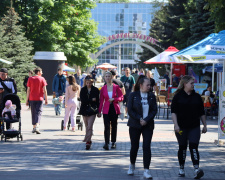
<point>113,72</point>
<point>4,70</point>
<point>8,103</point>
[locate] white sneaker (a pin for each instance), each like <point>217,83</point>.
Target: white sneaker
<point>198,173</point>
<point>181,173</point>
<point>131,169</point>
<point>147,174</point>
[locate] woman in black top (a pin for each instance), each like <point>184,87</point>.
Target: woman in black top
<point>187,110</point>
<point>89,97</point>
<point>142,109</point>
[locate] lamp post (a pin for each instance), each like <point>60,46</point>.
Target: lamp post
<point>119,61</point>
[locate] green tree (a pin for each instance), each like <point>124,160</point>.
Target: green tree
<point>61,25</point>
<point>217,9</point>
<point>15,47</point>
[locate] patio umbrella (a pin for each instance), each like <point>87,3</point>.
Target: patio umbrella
<point>5,61</point>
<point>163,58</point>
<point>208,50</point>
<point>67,68</point>
<point>106,66</point>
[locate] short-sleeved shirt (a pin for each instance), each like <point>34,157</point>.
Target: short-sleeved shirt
<point>36,84</point>
<point>128,82</point>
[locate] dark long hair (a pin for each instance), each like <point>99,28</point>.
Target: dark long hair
<point>141,80</point>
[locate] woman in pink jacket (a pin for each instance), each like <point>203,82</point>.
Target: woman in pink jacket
<point>110,96</point>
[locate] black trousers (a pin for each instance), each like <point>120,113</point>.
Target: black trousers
<point>135,135</point>
<point>191,136</point>
<point>110,117</point>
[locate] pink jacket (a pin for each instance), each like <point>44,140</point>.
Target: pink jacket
<point>104,99</point>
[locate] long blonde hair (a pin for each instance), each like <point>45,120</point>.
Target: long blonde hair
<point>184,79</point>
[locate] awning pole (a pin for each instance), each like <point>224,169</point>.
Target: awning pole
<point>213,70</point>
<point>171,73</point>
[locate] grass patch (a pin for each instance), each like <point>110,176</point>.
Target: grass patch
<point>22,96</point>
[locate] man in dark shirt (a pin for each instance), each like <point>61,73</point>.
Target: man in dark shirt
<point>166,76</point>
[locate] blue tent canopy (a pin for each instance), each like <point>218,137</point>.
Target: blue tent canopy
<point>208,50</point>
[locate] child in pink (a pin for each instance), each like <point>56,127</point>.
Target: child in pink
<point>9,108</point>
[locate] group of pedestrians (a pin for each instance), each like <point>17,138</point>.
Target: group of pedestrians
<point>187,111</point>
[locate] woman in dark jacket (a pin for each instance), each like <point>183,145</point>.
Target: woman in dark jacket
<point>187,110</point>
<point>89,97</point>
<point>142,109</point>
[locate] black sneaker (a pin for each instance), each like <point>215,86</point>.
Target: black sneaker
<point>106,147</point>
<point>113,145</point>
<point>198,173</point>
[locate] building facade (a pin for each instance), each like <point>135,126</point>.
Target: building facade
<point>117,18</point>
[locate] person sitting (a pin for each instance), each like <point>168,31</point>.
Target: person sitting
<point>9,113</point>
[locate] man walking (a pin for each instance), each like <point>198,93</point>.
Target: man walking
<point>36,90</point>
<point>59,83</point>
<point>129,82</point>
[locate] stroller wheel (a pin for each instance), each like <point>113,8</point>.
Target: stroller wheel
<point>21,137</point>
<point>62,124</point>
<point>5,139</point>
<point>18,138</point>
<point>2,137</point>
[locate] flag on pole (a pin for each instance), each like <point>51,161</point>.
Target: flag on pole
<point>156,75</point>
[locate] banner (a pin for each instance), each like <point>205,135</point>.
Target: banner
<point>221,119</point>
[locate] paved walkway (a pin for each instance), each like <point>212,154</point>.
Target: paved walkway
<point>55,154</point>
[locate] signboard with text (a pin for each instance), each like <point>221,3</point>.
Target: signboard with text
<point>221,119</point>
<point>200,87</point>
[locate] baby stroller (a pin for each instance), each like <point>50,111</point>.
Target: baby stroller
<point>15,133</point>
<point>78,121</point>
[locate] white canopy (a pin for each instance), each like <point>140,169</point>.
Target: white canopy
<point>5,61</point>
<point>67,68</point>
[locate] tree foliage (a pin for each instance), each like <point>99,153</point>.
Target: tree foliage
<point>15,47</point>
<point>61,25</point>
<point>217,9</point>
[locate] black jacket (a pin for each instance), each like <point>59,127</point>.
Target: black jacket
<point>135,110</point>
<point>188,108</point>
<point>86,100</point>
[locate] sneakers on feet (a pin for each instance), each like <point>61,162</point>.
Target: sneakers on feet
<point>88,145</point>
<point>106,147</point>
<point>147,174</point>
<point>131,169</point>
<point>113,145</point>
<point>198,173</point>
<point>181,173</point>
<point>37,131</point>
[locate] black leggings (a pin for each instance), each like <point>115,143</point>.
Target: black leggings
<point>135,134</point>
<point>110,117</point>
<point>192,136</point>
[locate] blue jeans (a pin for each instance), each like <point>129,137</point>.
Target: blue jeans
<point>59,93</point>
<point>58,108</point>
